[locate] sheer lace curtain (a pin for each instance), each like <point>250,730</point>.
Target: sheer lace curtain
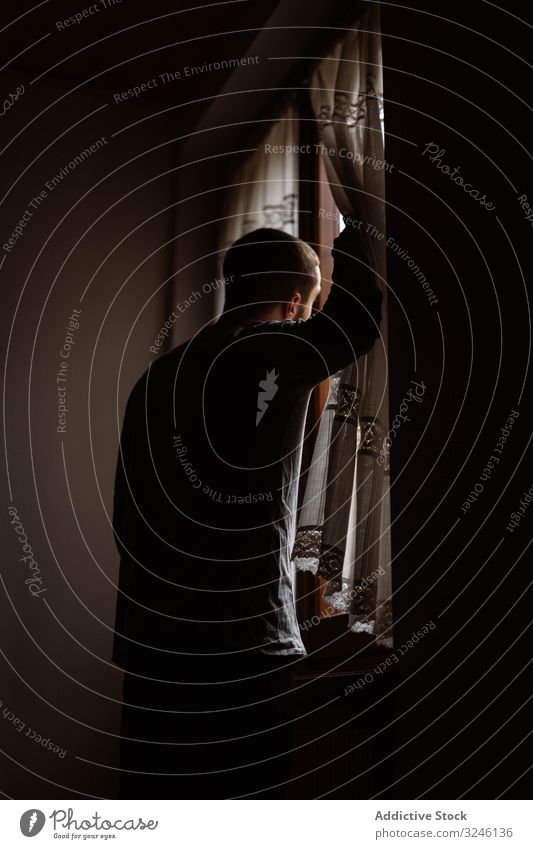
<point>265,188</point>
<point>344,523</point>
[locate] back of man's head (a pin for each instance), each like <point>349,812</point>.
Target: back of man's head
<point>266,267</point>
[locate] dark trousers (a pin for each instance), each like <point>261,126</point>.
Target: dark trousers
<point>220,729</point>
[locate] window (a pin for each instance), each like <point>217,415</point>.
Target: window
<point>324,628</point>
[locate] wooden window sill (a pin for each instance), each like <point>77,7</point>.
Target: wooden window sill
<point>335,651</point>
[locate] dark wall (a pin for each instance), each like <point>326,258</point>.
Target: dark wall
<point>98,243</point>
<point>455,562</point>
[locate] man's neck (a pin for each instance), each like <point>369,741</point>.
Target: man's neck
<point>238,319</point>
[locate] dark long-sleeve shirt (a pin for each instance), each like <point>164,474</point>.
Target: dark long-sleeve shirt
<point>206,482</point>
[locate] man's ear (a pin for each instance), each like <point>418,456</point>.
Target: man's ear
<point>291,307</point>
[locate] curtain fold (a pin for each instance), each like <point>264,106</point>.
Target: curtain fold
<point>344,523</point>
<point>265,192</point>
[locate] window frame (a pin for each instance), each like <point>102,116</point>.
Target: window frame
<point>325,637</point>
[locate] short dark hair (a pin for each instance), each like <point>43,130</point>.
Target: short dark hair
<point>267,266</point>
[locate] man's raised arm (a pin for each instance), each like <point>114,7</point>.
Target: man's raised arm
<point>348,325</point>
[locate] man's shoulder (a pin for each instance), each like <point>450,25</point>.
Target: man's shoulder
<point>157,371</point>
<point>273,325</point>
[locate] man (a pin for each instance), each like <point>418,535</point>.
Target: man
<point>204,519</point>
